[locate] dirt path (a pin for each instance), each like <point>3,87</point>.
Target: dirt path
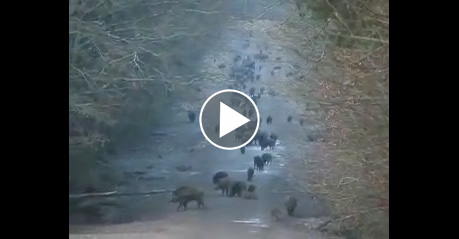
<point>146,169</point>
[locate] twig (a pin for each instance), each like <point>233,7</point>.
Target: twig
<point>160,3</point>
<point>337,15</point>
<point>319,32</point>
<point>84,195</point>
<point>148,51</point>
<point>286,19</point>
<point>371,10</point>
<point>267,9</point>
<point>324,224</point>
<point>287,191</point>
<point>137,79</point>
<point>343,217</point>
<point>159,39</point>
<point>382,21</point>
<point>99,51</point>
<point>134,60</point>
<point>362,38</point>
<point>94,8</point>
<point>191,81</point>
<point>84,76</point>
<point>120,59</point>
<point>367,55</point>
<point>341,182</point>
<point>201,11</point>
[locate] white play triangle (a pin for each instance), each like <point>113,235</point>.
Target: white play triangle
<point>230,120</point>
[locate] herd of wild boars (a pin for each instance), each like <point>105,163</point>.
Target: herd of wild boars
<point>243,74</point>
<point>231,186</point>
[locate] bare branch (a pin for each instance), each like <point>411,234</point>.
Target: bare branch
<point>338,16</point>
<point>117,194</point>
<point>83,75</point>
<point>269,8</point>
<point>201,11</point>
<point>361,38</point>
<point>161,3</point>
<point>136,79</point>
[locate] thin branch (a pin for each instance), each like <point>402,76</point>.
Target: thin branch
<point>286,19</point>
<point>361,38</point>
<point>120,59</point>
<point>85,195</point>
<point>95,7</point>
<point>134,60</point>
<point>201,11</point>
<point>148,51</point>
<point>159,39</point>
<point>191,81</point>
<point>160,3</point>
<point>371,10</point>
<point>117,194</point>
<point>350,180</point>
<point>136,79</point>
<point>382,21</point>
<point>269,8</point>
<point>82,74</point>
<point>322,29</point>
<point>337,15</point>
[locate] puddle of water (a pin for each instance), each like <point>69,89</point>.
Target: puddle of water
<point>260,225</point>
<point>270,172</point>
<point>255,222</point>
<point>281,147</point>
<point>255,147</point>
<point>239,171</point>
<point>249,221</point>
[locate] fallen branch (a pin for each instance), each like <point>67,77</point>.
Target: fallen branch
<point>361,38</point>
<point>116,194</point>
<point>84,195</point>
<point>160,3</point>
<point>324,224</point>
<point>137,79</point>
<point>201,11</point>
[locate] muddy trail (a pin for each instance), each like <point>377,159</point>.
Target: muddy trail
<point>248,57</point>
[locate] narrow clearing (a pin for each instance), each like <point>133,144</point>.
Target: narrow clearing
<point>146,169</point>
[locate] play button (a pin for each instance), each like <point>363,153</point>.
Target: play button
<point>229,119</point>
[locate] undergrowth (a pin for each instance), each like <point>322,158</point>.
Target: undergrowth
<point>127,60</point>
<point>351,95</point>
